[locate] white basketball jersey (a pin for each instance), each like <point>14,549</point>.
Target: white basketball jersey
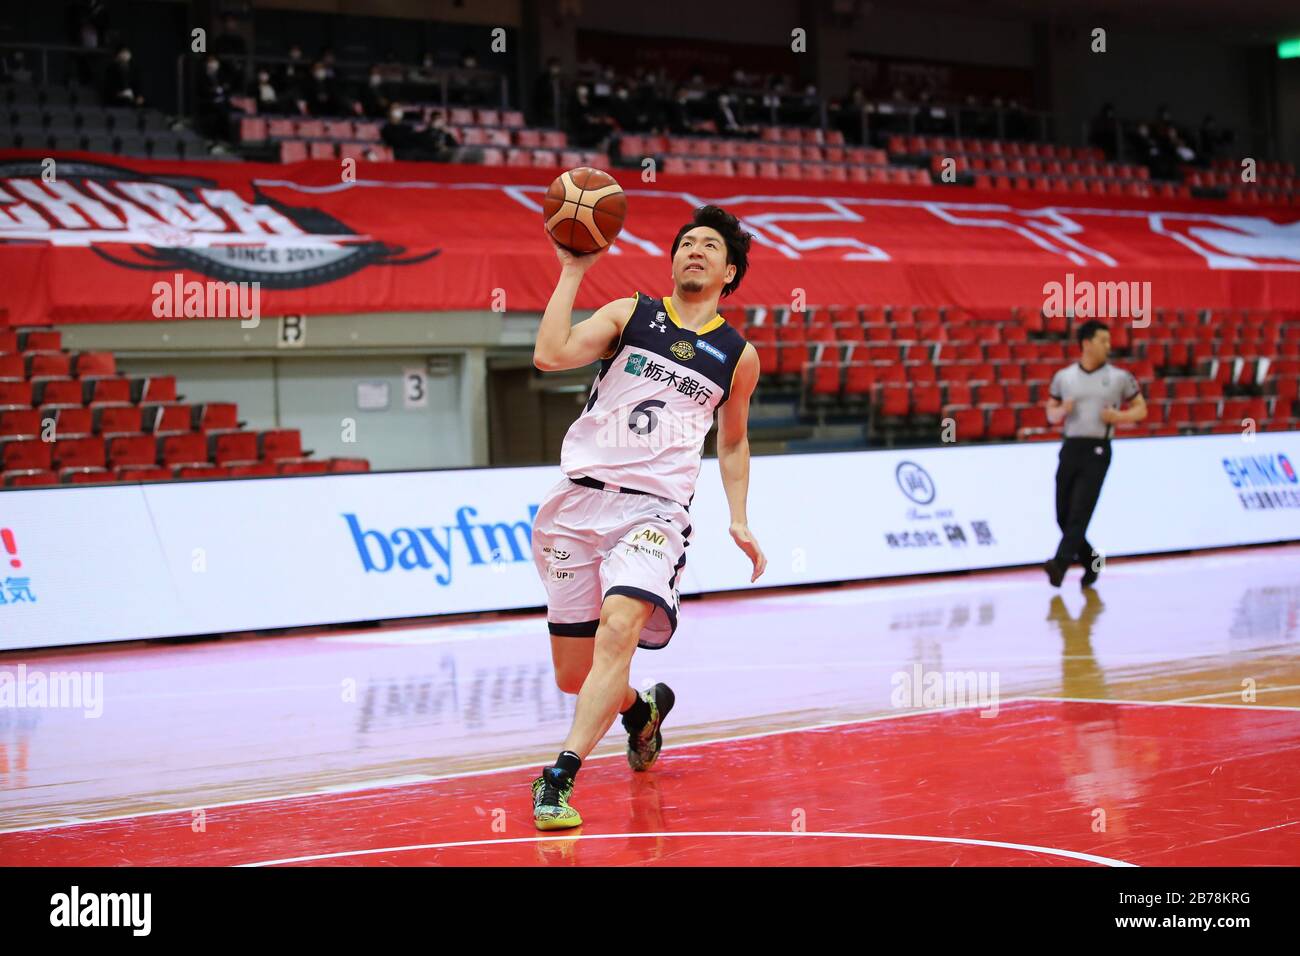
<point>652,403</point>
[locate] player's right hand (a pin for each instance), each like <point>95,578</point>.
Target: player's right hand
<point>1067,406</point>
<point>573,262</point>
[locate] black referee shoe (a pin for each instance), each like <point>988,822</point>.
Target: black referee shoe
<point>1090,575</point>
<point>1055,572</point>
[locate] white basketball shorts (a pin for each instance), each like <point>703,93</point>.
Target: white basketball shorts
<point>589,543</point>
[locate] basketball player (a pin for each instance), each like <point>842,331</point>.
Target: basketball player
<point>610,539</point>
<point>1086,396</point>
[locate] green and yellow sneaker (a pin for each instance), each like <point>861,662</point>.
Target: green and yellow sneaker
<point>551,810</point>
<point>643,743</point>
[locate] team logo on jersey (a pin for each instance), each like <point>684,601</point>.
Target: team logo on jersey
<point>659,322</point>
<point>718,354</point>
<point>635,363</point>
<point>683,350</point>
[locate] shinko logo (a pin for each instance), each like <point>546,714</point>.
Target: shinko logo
<point>1260,471</point>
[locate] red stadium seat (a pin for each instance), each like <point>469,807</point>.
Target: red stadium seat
<point>1002,424</point>
<point>26,454</point>
<point>345,465</point>
<point>20,423</point>
<point>70,422</point>
<point>78,453</point>
<point>895,401</point>
<point>233,447</point>
<point>117,420</point>
<point>129,450</point>
<point>278,444</point>
<point>58,392</point>
<point>969,424</point>
<point>189,448</point>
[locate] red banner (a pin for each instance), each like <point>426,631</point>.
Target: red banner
<point>103,239</point>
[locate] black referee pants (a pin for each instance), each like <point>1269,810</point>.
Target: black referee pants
<point>1082,469</point>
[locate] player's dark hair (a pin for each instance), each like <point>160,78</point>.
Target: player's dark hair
<point>736,238</point>
<point>1089,329</point>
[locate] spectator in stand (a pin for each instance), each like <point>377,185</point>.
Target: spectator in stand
<point>1210,140</point>
<point>14,69</point>
<point>681,116</point>
<point>412,144</point>
<point>547,91</point>
<point>121,82</point>
<point>232,51</point>
<point>726,122</point>
<point>87,37</point>
<point>846,115</point>
<point>320,94</point>
<point>1016,123</point>
<point>327,61</point>
<point>269,100</point>
<point>292,78</point>
<point>588,126</point>
<point>1143,149</point>
<point>373,100</point>
<point>1104,134</point>
<point>213,100</point>
<point>626,112</point>
<point>466,86</point>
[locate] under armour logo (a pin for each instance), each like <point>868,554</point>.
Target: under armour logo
<point>659,322</point>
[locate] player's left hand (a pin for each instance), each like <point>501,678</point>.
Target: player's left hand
<point>740,533</point>
<point>1110,415</point>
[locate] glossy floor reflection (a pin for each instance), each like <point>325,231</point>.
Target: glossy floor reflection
<point>339,748</point>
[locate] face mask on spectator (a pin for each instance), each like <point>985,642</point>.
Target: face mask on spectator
<point>318,74</point>
<point>395,115</point>
<point>376,79</point>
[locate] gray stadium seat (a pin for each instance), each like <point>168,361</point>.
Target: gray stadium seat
<point>153,121</point>
<point>58,119</point>
<point>164,147</point>
<point>99,144</point>
<point>93,121</point>
<point>132,145</point>
<point>57,96</point>
<point>32,117</point>
<point>24,95</point>
<point>123,120</point>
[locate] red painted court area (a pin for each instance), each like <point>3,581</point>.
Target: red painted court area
<point>1044,782</point>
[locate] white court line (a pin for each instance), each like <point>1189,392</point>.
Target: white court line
<point>1237,693</point>
<point>414,779</point>
<point>1179,702</point>
<point>421,779</point>
<point>1027,847</point>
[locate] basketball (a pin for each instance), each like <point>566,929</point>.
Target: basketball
<point>584,209</point>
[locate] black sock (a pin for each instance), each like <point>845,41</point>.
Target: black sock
<point>638,715</point>
<point>568,763</point>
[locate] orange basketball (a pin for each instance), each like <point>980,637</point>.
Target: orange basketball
<point>584,209</point>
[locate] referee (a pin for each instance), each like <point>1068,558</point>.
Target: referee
<point>1086,396</point>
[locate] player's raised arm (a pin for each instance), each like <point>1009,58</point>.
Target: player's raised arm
<point>563,345</point>
<point>733,456</point>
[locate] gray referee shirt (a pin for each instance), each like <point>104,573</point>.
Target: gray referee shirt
<point>1092,391</point>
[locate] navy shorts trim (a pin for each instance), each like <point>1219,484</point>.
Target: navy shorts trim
<point>628,591</point>
<point>580,629</point>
